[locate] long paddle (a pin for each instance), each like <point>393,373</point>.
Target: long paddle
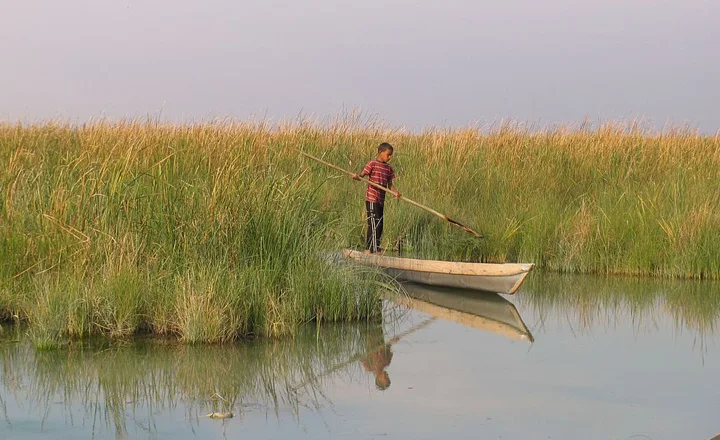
<point>412,202</point>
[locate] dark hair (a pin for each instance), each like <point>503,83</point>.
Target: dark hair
<point>384,147</point>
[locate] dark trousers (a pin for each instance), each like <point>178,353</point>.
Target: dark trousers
<point>375,225</point>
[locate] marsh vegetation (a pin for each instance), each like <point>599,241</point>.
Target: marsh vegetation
<point>220,231</point>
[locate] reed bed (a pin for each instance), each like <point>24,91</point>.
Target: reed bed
<point>198,232</point>
<point>214,231</point>
<point>610,200</point>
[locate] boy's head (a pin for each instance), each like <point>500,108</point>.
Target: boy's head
<point>382,380</point>
<point>385,152</point>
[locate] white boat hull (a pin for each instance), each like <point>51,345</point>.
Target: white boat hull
<point>507,284</point>
<point>489,277</point>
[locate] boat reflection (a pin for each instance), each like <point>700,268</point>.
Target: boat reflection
<point>471,308</point>
<point>111,390</point>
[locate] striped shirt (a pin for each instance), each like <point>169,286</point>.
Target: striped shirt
<point>380,173</point>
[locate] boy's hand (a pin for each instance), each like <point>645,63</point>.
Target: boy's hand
<point>356,177</point>
<point>397,194</point>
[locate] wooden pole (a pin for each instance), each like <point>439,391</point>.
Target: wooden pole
<point>412,202</point>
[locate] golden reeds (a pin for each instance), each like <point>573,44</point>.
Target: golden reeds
<point>227,217</point>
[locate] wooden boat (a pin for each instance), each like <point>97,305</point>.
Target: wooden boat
<point>481,310</point>
<point>490,277</point>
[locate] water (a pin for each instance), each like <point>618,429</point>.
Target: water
<point>566,358</point>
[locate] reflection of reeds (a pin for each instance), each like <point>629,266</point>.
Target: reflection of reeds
<point>601,300</point>
<point>134,381</point>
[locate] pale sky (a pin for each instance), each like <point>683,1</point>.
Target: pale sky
<point>413,64</point>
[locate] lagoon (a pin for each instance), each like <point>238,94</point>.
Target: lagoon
<point>612,358</point>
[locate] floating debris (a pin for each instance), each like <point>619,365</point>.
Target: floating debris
<point>220,415</point>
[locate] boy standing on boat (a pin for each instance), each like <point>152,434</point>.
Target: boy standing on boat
<point>379,172</point>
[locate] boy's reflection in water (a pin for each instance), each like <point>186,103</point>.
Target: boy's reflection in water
<point>378,356</point>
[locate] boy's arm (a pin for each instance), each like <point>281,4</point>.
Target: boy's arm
<point>365,172</point>
<point>395,190</point>
<point>391,186</point>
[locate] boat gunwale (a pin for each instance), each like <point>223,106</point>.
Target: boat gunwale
<point>444,267</point>
<point>517,284</point>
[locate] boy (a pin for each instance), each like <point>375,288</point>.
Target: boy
<point>378,356</point>
<point>378,171</point>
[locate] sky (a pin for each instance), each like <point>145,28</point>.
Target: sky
<point>412,64</point>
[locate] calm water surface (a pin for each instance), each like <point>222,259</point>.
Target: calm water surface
<point>566,358</point>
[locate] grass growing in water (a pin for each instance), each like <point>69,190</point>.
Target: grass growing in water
<point>194,232</point>
<point>214,232</point>
<point>611,200</point>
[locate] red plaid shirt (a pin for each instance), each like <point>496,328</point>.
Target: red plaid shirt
<point>380,173</point>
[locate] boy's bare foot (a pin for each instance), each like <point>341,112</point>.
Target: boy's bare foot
<point>366,251</point>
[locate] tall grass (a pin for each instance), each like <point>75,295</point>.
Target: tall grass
<point>206,233</point>
<point>611,200</point>
<point>215,231</point>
